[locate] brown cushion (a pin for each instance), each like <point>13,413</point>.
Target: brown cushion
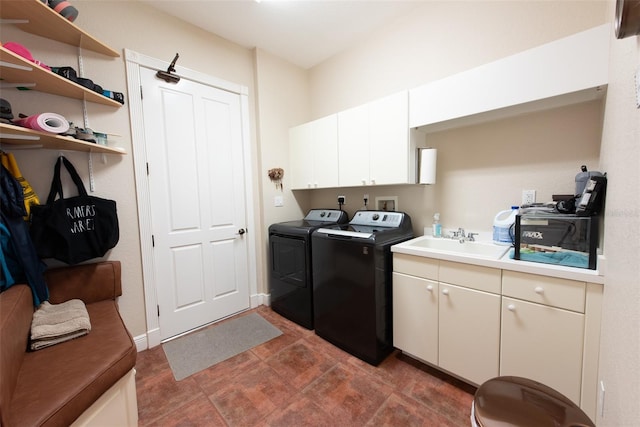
<point>16,311</point>
<point>56,384</point>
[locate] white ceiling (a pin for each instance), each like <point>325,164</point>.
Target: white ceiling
<point>304,32</point>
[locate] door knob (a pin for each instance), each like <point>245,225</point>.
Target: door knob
<point>241,231</point>
<point>511,307</point>
<point>445,291</point>
<point>429,288</point>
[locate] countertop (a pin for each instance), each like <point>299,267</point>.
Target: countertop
<point>506,263</point>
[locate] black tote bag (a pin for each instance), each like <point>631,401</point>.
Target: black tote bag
<point>75,229</point>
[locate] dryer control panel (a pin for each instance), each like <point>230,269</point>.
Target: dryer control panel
<point>377,218</point>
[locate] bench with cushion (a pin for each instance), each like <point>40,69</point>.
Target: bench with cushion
<point>84,381</point>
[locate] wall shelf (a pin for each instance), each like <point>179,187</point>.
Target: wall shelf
<point>16,69</point>
<point>43,21</point>
<point>29,138</point>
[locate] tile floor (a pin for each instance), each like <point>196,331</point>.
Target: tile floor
<point>298,379</point>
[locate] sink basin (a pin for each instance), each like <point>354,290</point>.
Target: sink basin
<point>478,249</point>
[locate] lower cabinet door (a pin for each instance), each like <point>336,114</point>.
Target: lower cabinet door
<point>415,316</point>
<point>469,333</point>
<point>544,344</point>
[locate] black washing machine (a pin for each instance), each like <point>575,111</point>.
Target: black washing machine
<point>290,278</point>
<point>352,270</point>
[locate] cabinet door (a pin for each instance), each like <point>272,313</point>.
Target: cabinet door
<point>542,343</point>
<point>325,152</point>
<point>301,156</point>
<point>353,146</point>
<point>469,333</point>
<point>389,140</point>
<point>415,316</point>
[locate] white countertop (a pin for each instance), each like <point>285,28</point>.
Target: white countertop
<point>505,263</point>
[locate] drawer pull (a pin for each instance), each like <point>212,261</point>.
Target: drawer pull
<point>511,307</point>
<point>445,292</point>
<point>539,290</point>
<point>430,288</point>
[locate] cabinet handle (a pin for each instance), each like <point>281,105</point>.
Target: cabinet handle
<point>373,181</point>
<point>430,288</point>
<point>445,292</point>
<point>539,290</point>
<point>511,307</point>
<point>364,182</point>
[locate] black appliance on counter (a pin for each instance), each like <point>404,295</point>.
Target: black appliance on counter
<point>290,278</point>
<point>352,268</point>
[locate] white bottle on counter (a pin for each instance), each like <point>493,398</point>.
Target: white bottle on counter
<point>503,225</point>
<point>437,227</point>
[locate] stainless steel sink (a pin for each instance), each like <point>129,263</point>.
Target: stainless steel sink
<point>487,250</point>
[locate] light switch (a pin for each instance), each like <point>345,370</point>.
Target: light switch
<point>278,201</point>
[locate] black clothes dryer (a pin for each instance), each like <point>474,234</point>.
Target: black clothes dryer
<point>290,278</point>
<point>352,270</point>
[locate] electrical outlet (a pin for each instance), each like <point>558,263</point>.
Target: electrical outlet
<point>342,200</point>
<point>528,197</point>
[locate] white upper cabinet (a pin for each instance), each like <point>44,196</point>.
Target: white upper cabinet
<point>566,71</point>
<point>374,147</point>
<point>313,154</point>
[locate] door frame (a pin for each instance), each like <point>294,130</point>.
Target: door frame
<point>133,62</point>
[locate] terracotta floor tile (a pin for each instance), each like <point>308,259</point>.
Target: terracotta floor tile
<point>251,396</point>
<point>211,379</point>
<point>199,412</point>
<point>300,363</point>
<point>347,395</point>
<point>299,379</point>
<point>161,394</point>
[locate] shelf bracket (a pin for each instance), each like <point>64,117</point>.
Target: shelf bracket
<point>16,85</point>
<point>16,66</point>
<point>13,21</point>
<point>22,137</point>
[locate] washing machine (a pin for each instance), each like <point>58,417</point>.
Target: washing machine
<point>290,278</point>
<point>352,270</point>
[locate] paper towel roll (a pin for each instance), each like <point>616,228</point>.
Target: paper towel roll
<point>428,166</point>
<point>45,122</point>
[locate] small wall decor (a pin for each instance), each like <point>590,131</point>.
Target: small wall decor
<point>387,203</point>
<point>275,175</point>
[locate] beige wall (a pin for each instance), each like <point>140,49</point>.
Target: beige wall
<point>620,157</point>
<point>437,40</point>
<point>137,27</point>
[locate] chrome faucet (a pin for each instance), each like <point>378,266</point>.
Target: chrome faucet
<point>471,237</point>
<point>459,235</point>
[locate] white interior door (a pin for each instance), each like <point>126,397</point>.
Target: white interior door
<point>193,136</point>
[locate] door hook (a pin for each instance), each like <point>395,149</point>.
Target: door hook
<point>168,75</point>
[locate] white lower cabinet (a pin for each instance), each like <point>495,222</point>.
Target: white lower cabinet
<point>469,333</point>
<point>415,316</point>
<point>454,327</point>
<point>544,344</point>
<point>478,322</point>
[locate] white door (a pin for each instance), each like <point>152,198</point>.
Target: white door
<point>193,135</point>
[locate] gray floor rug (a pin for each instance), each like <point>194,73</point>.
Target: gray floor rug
<point>199,350</point>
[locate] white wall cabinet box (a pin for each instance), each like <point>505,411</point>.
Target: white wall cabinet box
<point>374,143</point>
<point>313,154</point>
<point>563,72</point>
<point>494,322</point>
<point>37,18</point>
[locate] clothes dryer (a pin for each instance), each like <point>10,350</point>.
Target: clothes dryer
<point>290,278</point>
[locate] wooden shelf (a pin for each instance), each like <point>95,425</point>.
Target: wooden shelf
<point>19,136</point>
<point>44,21</point>
<point>26,72</point>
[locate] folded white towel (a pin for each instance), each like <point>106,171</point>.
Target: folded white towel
<point>56,323</point>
